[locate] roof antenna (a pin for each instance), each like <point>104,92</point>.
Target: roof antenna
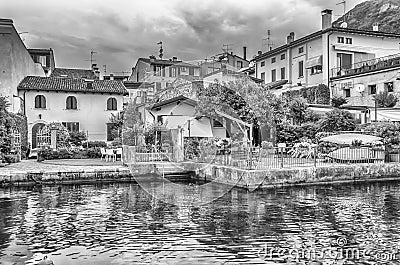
<point>161,50</point>
<point>92,52</point>
<point>267,41</point>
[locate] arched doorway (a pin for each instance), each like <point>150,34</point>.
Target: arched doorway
<point>35,129</point>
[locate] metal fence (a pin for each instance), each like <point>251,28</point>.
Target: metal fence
<point>294,157</point>
<point>256,158</point>
<point>367,66</point>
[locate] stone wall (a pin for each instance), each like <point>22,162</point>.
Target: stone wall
<point>296,176</point>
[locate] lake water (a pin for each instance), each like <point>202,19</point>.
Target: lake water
<point>123,224</point>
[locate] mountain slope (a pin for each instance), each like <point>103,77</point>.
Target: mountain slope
<point>386,13</point>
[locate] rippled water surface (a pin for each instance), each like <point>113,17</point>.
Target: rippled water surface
<point>123,224</point>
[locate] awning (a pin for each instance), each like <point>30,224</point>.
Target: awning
<point>348,138</point>
<point>191,127</point>
<point>316,61</point>
<point>352,48</point>
<point>385,114</point>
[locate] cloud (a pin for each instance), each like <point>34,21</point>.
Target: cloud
<point>120,31</point>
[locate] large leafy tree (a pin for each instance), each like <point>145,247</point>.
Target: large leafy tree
<point>243,99</point>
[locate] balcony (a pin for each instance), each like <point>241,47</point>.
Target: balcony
<point>376,64</point>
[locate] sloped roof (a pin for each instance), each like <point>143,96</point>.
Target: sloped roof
<point>137,85</point>
<point>71,85</point>
<point>73,73</point>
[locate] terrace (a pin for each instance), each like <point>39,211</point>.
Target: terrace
<point>381,63</point>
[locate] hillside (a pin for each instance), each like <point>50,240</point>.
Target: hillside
<point>384,12</point>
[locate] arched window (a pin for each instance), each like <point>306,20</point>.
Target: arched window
<point>40,102</point>
<point>71,102</point>
<point>111,104</point>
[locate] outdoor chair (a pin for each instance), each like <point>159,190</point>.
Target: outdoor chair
<point>110,155</point>
<point>103,153</point>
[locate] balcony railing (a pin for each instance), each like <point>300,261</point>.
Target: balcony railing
<point>367,66</point>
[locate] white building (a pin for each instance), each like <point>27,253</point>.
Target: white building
<point>81,105</point>
<point>319,56</point>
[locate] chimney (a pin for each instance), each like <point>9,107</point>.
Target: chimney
<point>111,76</point>
<point>375,27</point>
<point>326,18</point>
<point>174,59</point>
<point>259,52</point>
<point>290,38</point>
<point>244,52</point>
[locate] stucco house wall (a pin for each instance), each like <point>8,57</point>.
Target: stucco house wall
<point>15,63</point>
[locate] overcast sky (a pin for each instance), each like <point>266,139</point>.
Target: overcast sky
<point>120,31</point>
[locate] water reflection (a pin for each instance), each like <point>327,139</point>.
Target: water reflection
<point>123,224</point>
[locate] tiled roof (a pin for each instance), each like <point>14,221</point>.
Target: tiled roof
<point>73,73</point>
<point>137,85</point>
<point>71,85</point>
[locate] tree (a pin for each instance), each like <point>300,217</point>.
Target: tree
<point>296,109</point>
<point>338,120</point>
<point>385,100</point>
<point>77,138</point>
<point>131,124</point>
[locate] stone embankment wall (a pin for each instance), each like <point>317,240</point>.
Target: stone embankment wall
<point>274,178</point>
<point>25,178</point>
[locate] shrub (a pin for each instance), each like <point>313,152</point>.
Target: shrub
<point>338,101</point>
<point>77,138</point>
<point>49,154</point>
<point>93,144</point>
<point>9,159</point>
<point>338,120</point>
<point>385,100</point>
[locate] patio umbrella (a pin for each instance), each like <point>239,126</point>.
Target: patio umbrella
<point>348,138</point>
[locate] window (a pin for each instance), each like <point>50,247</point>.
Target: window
<point>344,60</point>
<point>173,72</point>
<point>196,72</point>
<point>372,89</point>
<point>340,39</point>
<point>71,126</point>
<point>239,64</point>
<point>283,73</point>
<point>42,60</point>
<point>301,49</point>
<point>40,102</point>
<point>316,69</point>
<point>262,63</point>
<point>158,86</point>
<point>349,41</point>
<point>217,124</point>
<point>283,56</point>
<point>389,87</point>
<point>346,93</point>
<point>71,102</point>
<point>273,59</point>
<point>263,76</point>
<point>111,104</point>
<point>273,75</point>
<point>157,70</point>
<point>301,69</point>
<point>184,70</point>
